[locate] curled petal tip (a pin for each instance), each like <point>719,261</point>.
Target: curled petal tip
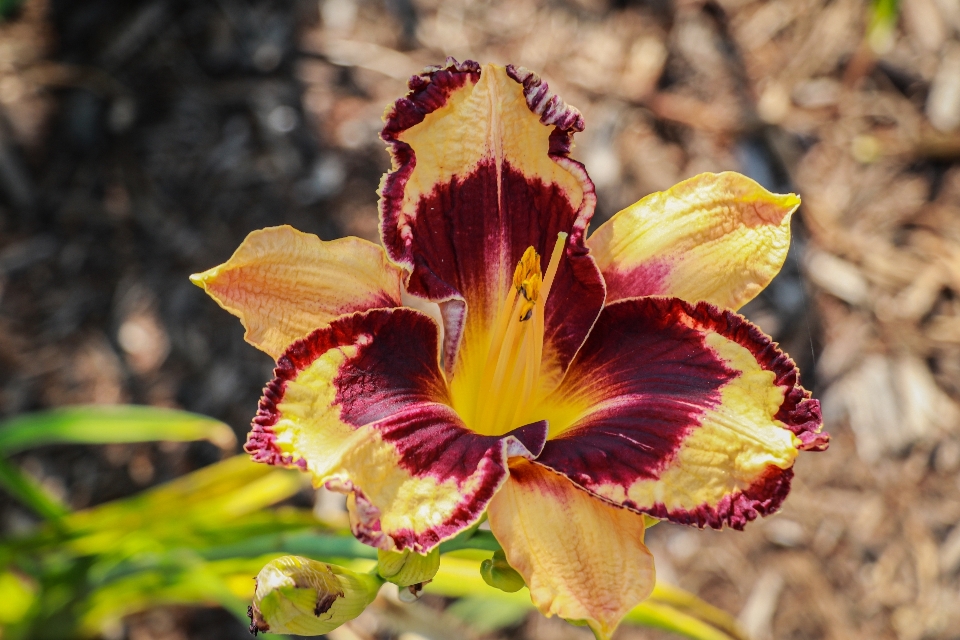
<point>658,246</point>
<point>200,279</point>
<point>786,203</point>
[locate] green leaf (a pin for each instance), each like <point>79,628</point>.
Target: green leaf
<point>17,596</point>
<point>689,603</point>
<point>187,584</point>
<point>310,544</point>
<point>190,511</point>
<point>663,616</point>
<point>483,616</point>
<point>30,493</point>
<point>228,488</point>
<point>101,424</point>
<point>471,539</point>
<point>8,8</point>
<point>222,504</point>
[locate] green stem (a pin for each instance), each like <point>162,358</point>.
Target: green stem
<point>481,540</point>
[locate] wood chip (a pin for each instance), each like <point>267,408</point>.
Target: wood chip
<point>837,277</point>
<point>943,103</point>
<point>757,614</point>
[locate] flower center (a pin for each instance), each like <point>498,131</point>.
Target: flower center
<point>512,368</point>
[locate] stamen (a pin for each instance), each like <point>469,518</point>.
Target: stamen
<point>554,263</point>
<point>552,268</point>
<point>528,266</point>
<point>526,280</point>
<point>512,369</point>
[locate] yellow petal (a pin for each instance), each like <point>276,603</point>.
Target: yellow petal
<point>684,412</point>
<point>715,237</point>
<point>481,174</point>
<point>361,406</point>
<point>582,558</point>
<point>283,284</point>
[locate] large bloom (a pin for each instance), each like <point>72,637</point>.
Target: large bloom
<point>574,385</point>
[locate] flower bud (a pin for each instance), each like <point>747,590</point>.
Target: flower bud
<point>305,597</point>
<point>406,568</point>
<point>498,573</point>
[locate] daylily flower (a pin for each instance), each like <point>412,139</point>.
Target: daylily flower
<point>574,385</point>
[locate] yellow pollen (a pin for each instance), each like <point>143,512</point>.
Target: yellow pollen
<point>526,281</point>
<point>512,368</point>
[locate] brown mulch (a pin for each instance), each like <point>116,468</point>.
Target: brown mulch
<point>141,141</point>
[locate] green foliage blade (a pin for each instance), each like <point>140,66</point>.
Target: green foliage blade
<point>101,424</point>
<point>686,602</point>
<point>663,616</point>
<point>30,493</point>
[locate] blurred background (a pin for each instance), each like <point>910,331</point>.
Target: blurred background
<point>140,141</point>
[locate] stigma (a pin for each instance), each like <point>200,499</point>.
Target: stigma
<point>511,374</point>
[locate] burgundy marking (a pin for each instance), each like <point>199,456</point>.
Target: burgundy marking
<point>383,380</point>
<point>463,516</point>
<point>364,515</point>
<point>395,370</point>
<point>447,248</point>
<point>428,92</point>
<point>530,474</point>
<point>625,357</point>
<point>799,412</point>
<point>393,383</point>
<point>659,377</point>
<point>261,441</point>
<point>479,235</point>
<point>551,109</point>
<point>491,466</point>
<point>533,436</point>
<point>443,451</point>
<point>647,279</point>
<point>763,497</point>
<point>432,442</point>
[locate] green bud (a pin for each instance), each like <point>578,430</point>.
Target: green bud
<point>305,597</point>
<point>406,568</point>
<point>498,573</point>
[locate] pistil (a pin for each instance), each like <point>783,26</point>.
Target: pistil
<point>512,369</point>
